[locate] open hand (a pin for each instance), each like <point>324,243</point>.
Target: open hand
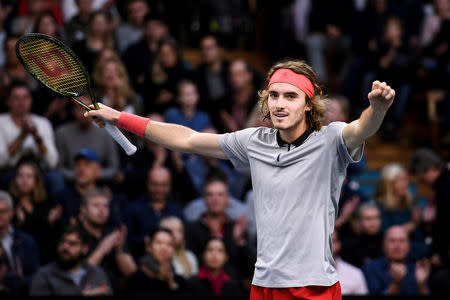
<point>381,96</point>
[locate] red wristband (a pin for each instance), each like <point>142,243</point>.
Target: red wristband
<point>133,123</point>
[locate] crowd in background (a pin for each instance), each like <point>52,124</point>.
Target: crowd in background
<point>80,217</point>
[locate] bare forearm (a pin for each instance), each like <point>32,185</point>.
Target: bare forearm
<point>96,257</point>
<point>126,264</point>
<point>364,127</point>
<point>183,139</point>
<point>15,146</point>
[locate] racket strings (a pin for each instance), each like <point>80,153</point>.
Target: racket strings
<point>53,65</point>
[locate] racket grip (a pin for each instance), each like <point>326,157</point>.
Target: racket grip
<point>120,139</point>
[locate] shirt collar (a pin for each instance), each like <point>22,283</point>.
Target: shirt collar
<point>297,142</point>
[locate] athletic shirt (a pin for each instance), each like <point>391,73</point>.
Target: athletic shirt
<point>296,188</point>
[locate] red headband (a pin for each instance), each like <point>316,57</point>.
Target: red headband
<point>298,80</point>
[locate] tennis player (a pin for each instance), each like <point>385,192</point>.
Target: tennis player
<point>297,171</point>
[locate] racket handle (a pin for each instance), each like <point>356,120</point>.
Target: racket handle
<point>120,139</point>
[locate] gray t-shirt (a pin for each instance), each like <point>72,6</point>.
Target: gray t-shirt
<point>297,191</point>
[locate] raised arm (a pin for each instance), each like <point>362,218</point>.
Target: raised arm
<point>172,136</point>
<point>380,98</point>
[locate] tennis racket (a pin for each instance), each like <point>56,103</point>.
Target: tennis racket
<point>54,64</point>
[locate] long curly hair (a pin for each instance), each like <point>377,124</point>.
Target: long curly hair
<point>318,102</point>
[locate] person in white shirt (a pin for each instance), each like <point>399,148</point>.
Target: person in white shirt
<point>351,278</point>
<point>24,133</point>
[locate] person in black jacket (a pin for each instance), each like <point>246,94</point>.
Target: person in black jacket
<point>212,279</point>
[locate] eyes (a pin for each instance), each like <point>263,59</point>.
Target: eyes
<point>274,95</point>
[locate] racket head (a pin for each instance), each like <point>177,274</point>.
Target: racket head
<point>53,63</point>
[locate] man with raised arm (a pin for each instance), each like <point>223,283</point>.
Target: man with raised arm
<point>297,169</point>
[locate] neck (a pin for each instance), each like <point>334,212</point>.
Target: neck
<point>76,268</point>
<point>215,66</point>
<point>188,112</point>
<point>95,231</point>
<point>83,188</point>
<point>4,231</point>
<point>214,216</point>
<point>214,272</point>
<point>18,119</point>
<point>291,134</point>
<point>158,205</point>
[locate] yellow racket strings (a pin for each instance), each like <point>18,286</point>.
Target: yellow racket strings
<point>53,65</point>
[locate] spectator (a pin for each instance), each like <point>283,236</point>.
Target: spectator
<point>132,29</point>
<point>397,208</point>
<point>152,155</point>
<point>35,212</point>
<point>75,28</point>
<point>212,76</point>
<point>366,242</point>
<point>23,132</point>
<point>70,274</point>
<point>28,11</point>
<point>139,56</point>
<point>163,76</point>
<point>393,274</point>
<point>46,24</point>
<point>13,71</point>
<point>87,170</point>
<point>82,133</point>
<point>142,216</point>
<point>328,32</point>
<point>114,89</point>
<point>27,135</point>
<point>244,96</point>
<point>351,278</point>
<point>215,223</point>
<point>20,251</point>
<point>184,262</point>
<point>186,113</point>
<point>98,37</point>
<point>199,166</point>
<point>107,245</point>
<point>434,173</point>
<point>156,276</point>
<point>212,279</point>
<point>392,59</point>
<point>195,209</point>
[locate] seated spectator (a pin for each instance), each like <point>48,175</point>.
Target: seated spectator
<point>397,208</point>
<point>132,29</point>
<point>212,279</point>
<point>142,216</point>
<point>28,11</point>
<point>13,71</point>
<point>393,274</point>
<point>139,56</point>
<point>20,251</point>
<point>75,28</point>
<point>351,278</point>
<point>135,169</point>
<point>24,134</point>
<point>366,243</point>
<point>107,245</point>
<point>156,276</point>
<point>35,212</point>
<point>195,209</point>
<point>184,262</point>
<point>161,80</point>
<point>87,171</point>
<point>98,37</point>
<point>199,166</point>
<point>244,96</point>
<point>214,222</point>
<point>393,60</point>
<point>70,274</point>
<point>212,77</point>
<point>113,88</point>
<point>431,170</point>
<point>186,113</point>
<point>81,133</point>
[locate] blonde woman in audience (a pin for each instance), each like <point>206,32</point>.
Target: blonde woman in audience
<point>113,86</point>
<point>397,206</point>
<point>184,261</point>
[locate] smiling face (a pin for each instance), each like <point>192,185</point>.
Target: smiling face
<point>287,107</point>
